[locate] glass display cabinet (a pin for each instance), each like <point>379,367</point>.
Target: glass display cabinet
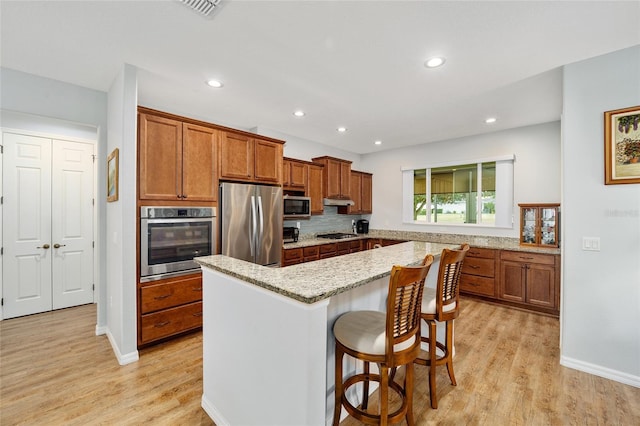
<point>539,225</point>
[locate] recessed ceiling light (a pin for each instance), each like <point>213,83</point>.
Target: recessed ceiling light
<point>299,113</point>
<point>214,83</point>
<point>378,142</point>
<point>490,120</point>
<point>342,129</point>
<point>434,62</point>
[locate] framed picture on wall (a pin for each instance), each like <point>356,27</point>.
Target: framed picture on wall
<point>112,176</point>
<point>622,146</point>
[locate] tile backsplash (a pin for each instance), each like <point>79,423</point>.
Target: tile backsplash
<point>330,221</point>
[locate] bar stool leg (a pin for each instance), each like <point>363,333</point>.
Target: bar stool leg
<point>384,395</point>
<point>433,356</point>
<point>408,385</point>
<point>365,388</point>
<point>338,387</point>
<point>449,346</point>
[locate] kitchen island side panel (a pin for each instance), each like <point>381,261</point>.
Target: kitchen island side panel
<point>263,355</point>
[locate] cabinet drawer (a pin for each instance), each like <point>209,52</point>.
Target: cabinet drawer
<point>292,254</point>
<point>328,249</point>
<point>520,256</point>
<point>479,266</point>
<point>343,247</point>
<point>161,296</point>
<point>310,251</point>
<point>477,285</point>
<point>481,252</point>
<point>171,321</point>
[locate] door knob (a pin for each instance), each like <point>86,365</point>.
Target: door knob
<point>46,246</point>
<point>56,245</point>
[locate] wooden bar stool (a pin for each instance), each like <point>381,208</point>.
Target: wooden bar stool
<point>442,305</point>
<point>389,339</point>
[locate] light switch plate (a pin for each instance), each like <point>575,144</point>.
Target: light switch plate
<point>591,243</point>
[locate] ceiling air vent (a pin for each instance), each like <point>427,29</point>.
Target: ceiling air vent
<point>203,7</point>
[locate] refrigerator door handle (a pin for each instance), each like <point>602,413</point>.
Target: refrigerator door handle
<point>261,212</point>
<point>252,232</point>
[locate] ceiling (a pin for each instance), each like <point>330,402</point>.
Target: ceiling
<point>357,64</point>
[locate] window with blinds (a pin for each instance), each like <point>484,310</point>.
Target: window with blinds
<point>460,194</point>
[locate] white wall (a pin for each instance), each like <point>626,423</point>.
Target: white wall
<point>536,173</point>
<point>51,99</point>
<point>601,290</point>
<point>121,219</point>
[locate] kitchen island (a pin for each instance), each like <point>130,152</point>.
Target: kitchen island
<point>268,348</point>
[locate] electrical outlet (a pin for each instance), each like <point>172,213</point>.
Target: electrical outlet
<point>298,225</point>
<point>591,243</point>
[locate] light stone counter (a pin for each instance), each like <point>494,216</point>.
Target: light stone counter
<point>311,282</point>
<point>497,243</point>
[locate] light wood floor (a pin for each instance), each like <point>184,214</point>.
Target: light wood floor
<point>54,370</point>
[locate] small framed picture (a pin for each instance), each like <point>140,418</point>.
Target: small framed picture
<point>112,176</point>
<point>622,146</point>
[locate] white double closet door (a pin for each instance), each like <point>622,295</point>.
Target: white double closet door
<point>48,217</point>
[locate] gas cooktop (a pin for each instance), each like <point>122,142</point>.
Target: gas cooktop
<point>336,235</point>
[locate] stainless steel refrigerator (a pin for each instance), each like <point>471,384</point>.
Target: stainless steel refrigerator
<point>250,222</point>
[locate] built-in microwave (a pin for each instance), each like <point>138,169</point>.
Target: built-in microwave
<point>296,207</point>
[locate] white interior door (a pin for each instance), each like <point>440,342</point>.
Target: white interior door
<point>26,224</point>
<point>48,224</point>
<point>72,223</point>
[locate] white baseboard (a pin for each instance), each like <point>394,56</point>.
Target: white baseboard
<point>122,359</point>
<point>213,413</point>
<point>101,329</point>
<point>598,370</point>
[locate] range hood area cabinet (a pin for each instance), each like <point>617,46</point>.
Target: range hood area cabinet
<point>361,190</point>
<point>176,159</point>
<point>315,188</point>
<point>250,159</point>
<point>337,177</point>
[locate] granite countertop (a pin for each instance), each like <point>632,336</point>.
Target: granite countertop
<point>312,282</point>
<point>498,243</point>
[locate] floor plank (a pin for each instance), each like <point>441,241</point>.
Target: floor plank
<point>54,370</point>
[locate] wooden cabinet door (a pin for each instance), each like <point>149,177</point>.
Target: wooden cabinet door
<point>366,203</point>
<point>314,189</point>
<point>236,156</point>
<point>333,184</point>
<point>298,175</point>
<point>512,281</point>
<point>286,173</point>
<point>541,285</point>
<point>268,161</point>
<point>356,180</point>
<point>199,177</point>
<point>345,180</point>
<point>160,158</point>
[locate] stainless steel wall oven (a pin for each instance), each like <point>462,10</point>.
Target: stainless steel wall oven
<point>170,237</point>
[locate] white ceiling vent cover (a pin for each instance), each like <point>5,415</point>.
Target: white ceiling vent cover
<point>203,7</point>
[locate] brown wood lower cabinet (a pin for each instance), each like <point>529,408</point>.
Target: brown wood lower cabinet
<point>169,307</point>
<point>529,278</point>
<point>522,279</point>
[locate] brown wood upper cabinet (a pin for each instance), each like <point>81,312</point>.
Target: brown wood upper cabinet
<point>315,187</point>
<point>361,188</point>
<point>294,174</point>
<point>337,177</point>
<point>250,159</point>
<point>176,160</point>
